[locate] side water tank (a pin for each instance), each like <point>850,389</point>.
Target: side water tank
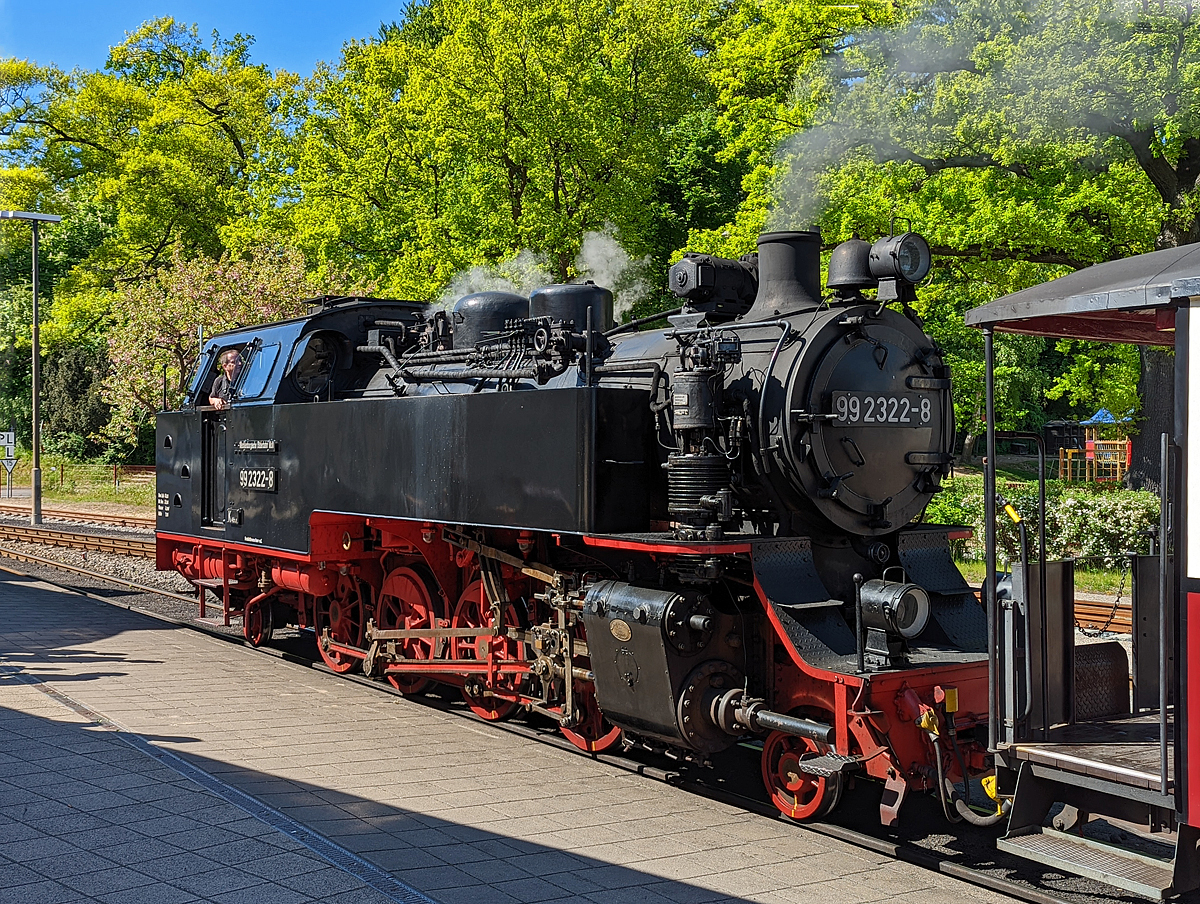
<point>479,316</point>
<point>571,302</point>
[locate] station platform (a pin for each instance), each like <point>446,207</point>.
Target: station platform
<point>143,762</point>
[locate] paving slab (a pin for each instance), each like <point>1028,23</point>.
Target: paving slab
<point>143,761</point>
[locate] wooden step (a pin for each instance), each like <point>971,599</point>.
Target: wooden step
<point>1130,870</point>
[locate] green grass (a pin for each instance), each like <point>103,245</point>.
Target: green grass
<point>82,482</point>
<point>137,495</point>
<point>1087,580</point>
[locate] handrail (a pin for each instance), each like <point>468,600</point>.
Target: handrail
<point>989,533</point>
<point>1041,447</point>
<point>1164,494</point>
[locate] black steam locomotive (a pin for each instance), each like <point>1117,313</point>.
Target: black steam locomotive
<point>681,537</point>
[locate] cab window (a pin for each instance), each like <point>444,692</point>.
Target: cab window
<point>315,359</point>
<point>257,372</point>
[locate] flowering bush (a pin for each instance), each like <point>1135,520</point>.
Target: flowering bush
<point>155,322</point>
<point>1085,521</point>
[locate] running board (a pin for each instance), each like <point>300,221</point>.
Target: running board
<point>1141,874</point>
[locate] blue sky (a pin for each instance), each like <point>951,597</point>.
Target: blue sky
<point>292,35</point>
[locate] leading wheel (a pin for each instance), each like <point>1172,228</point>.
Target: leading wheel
<point>405,604</point>
<point>593,733</point>
<point>258,620</point>
<point>797,793</point>
<point>343,612</point>
<point>474,611</point>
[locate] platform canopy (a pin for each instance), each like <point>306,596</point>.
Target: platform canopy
<point>1130,300</point>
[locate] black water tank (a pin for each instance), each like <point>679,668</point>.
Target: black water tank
<point>484,313</point>
<point>571,302</point>
<point>789,274</point>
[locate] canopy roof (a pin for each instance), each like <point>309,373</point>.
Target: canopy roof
<point>1130,300</point>
<point>1104,416</point>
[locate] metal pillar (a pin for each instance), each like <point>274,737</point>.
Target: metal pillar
<point>35,479</point>
<point>989,534</point>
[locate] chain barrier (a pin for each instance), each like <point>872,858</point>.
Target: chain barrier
<point>1116,606</point>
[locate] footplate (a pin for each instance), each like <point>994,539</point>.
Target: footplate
<point>826,764</point>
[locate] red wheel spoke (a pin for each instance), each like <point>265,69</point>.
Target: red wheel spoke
<point>406,603</point>
<point>258,620</point>
<point>593,733</point>
<point>796,793</point>
<point>480,692</point>
<point>343,614</point>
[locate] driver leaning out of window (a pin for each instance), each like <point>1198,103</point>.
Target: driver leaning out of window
<point>222,388</point>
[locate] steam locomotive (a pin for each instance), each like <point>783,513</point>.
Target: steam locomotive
<point>682,538</point>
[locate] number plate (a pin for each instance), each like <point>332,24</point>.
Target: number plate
<point>885,409</point>
<point>265,480</point>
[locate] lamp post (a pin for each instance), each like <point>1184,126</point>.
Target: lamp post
<point>35,478</point>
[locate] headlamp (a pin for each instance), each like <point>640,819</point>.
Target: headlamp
<point>905,256</point>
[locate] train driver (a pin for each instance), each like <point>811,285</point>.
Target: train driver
<point>222,388</point>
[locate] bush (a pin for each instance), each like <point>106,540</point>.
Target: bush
<point>1090,521</point>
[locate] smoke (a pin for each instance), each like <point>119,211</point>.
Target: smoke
<point>802,162</point>
<point>969,86</point>
<point>602,260</point>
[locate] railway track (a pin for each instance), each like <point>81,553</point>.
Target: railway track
<point>63,514</point>
<point>125,546</point>
<point>1091,614</point>
<point>984,867</point>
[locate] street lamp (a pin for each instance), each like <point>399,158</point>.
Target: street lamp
<point>35,479</point>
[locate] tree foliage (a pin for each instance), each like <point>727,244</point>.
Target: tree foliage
<point>483,127</point>
<point>1025,138</point>
<point>157,322</point>
<point>163,144</point>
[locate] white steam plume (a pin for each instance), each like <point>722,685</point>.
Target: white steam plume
<point>521,273</point>
<point>602,260</point>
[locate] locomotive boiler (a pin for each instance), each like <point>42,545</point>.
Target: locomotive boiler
<point>681,538</point>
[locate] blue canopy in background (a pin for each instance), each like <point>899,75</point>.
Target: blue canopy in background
<point>1103,416</point>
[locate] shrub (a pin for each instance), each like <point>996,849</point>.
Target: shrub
<point>1085,521</point>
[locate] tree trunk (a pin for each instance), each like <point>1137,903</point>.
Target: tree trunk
<point>968,448</point>
<point>1157,390</point>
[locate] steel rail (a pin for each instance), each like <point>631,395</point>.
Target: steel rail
<point>125,546</point>
<point>897,850</point>
<point>8,508</point>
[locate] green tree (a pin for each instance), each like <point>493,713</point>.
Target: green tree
<point>73,410</point>
<point>1026,139</point>
<point>757,55</point>
<point>159,149</point>
<point>153,341</point>
<point>482,127</point>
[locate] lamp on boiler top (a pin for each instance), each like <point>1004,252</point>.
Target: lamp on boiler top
<point>35,481</point>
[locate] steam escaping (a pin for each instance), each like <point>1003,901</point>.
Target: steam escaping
<point>969,87</point>
<point>521,273</point>
<point>602,260</point>
<point>801,161</point>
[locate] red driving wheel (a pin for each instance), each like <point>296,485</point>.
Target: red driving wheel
<point>474,611</point>
<point>406,604</point>
<point>258,620</point>
<point>797,793</point>
<point>594,733</point>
